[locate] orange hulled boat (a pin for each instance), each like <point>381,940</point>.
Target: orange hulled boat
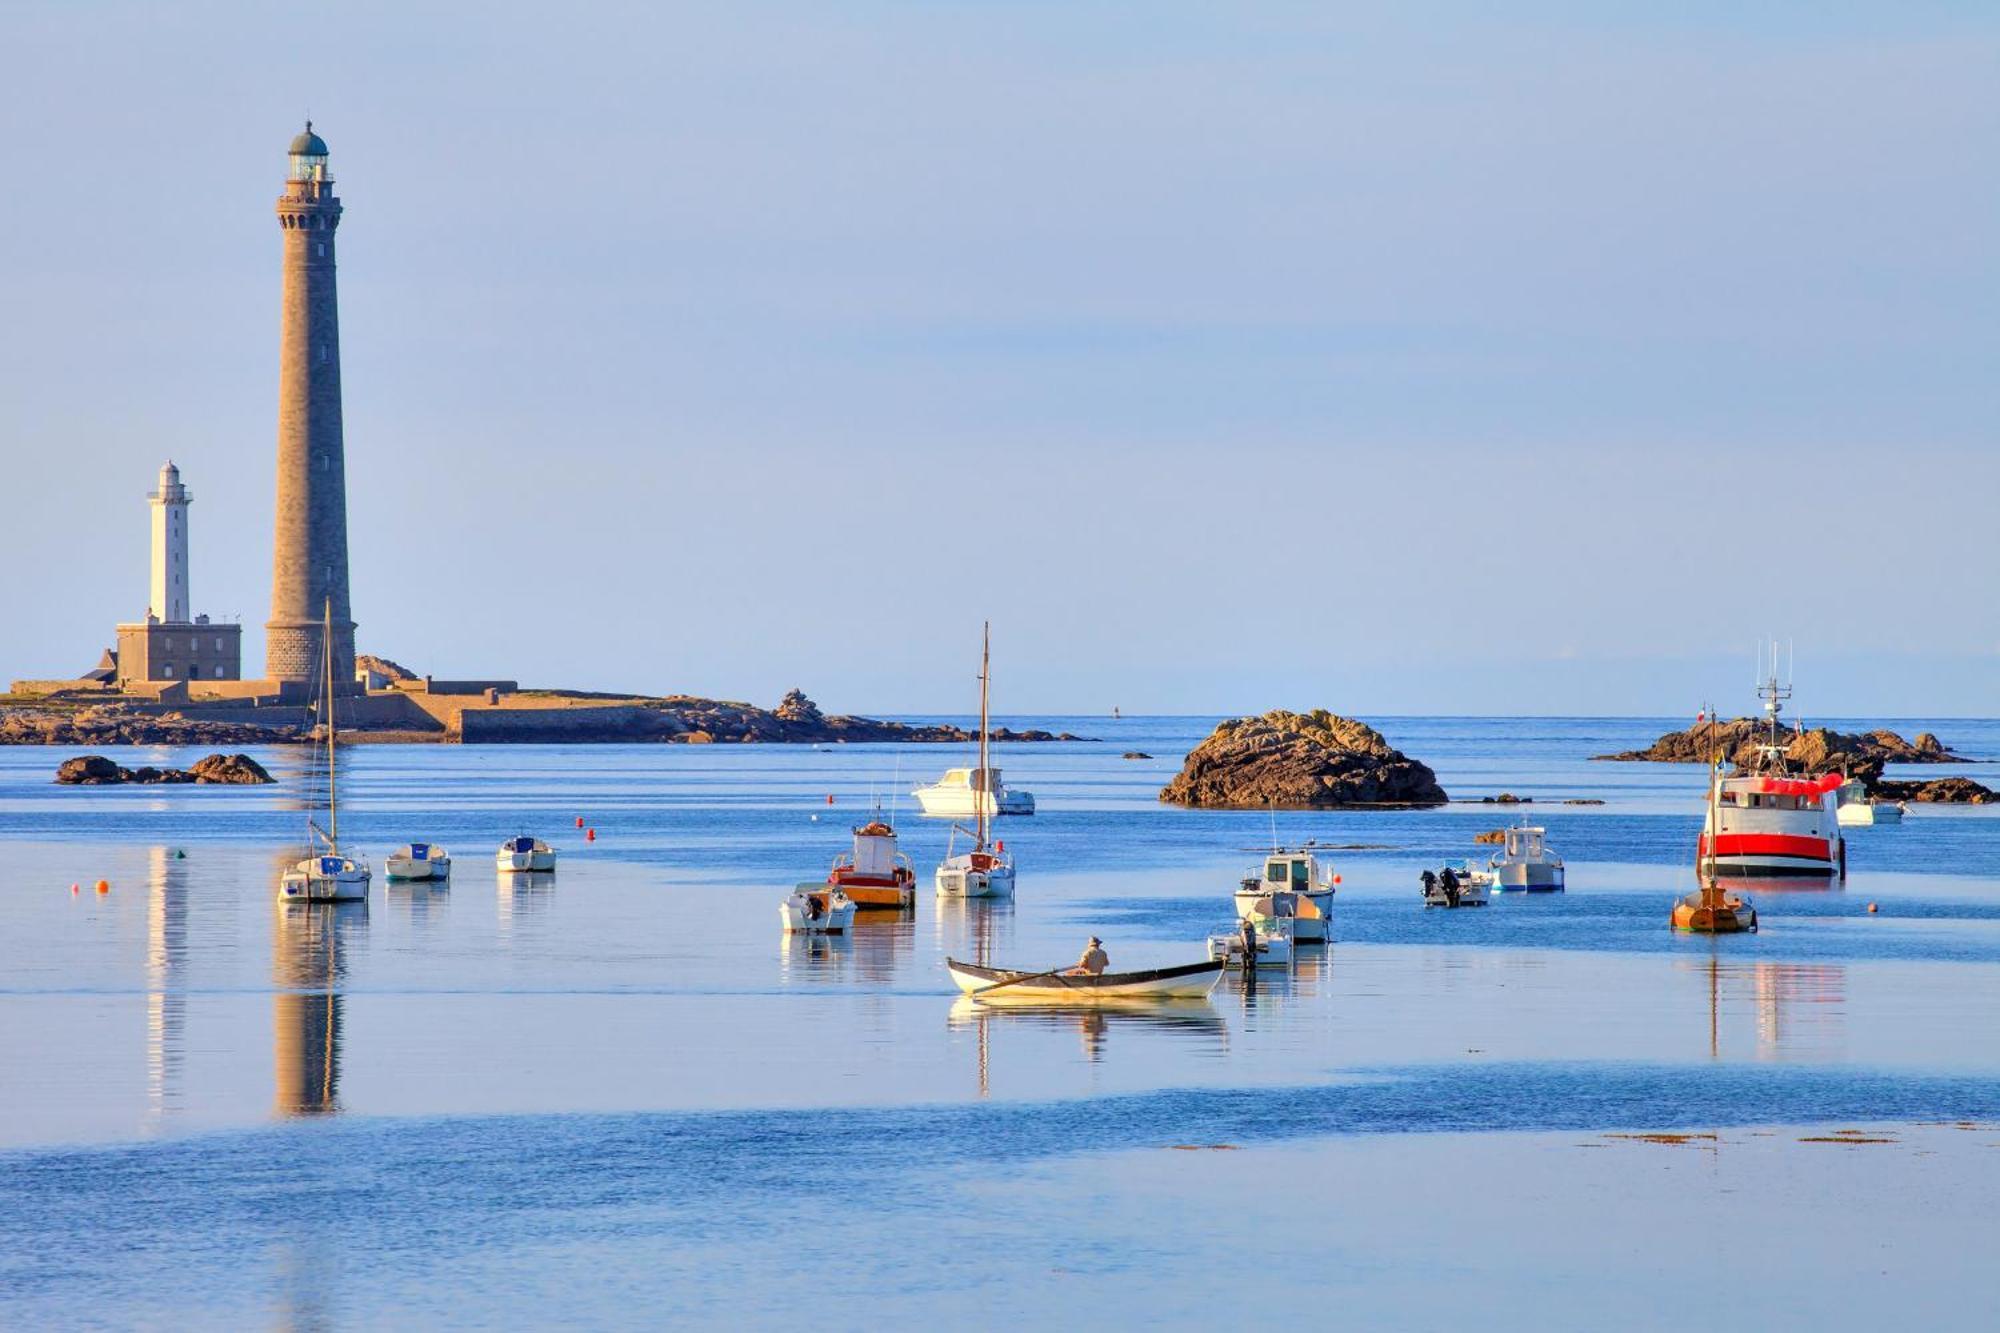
<point>875,875</point>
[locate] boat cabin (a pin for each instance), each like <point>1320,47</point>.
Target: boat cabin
<point>972,779</point>
<point>1295,871</point>
<point>1524,844</point>
<point>874,851</point>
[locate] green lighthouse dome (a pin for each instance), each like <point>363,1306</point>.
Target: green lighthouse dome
<point>306,143</point>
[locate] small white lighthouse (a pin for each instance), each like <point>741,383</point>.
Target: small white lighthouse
<point>169,601</point>
<point>172,644</point>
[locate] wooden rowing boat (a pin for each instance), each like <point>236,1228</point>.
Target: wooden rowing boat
<point>1192,981</point>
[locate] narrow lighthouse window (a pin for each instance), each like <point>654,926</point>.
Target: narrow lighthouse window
<point>322,249</point>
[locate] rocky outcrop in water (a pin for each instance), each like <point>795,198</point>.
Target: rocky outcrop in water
<point>94,770</point>
<point>1817,750</point>
<point>1300,761</point>
<point>1938,791</point>
<point>112,724</point>
<point>1933,791</point>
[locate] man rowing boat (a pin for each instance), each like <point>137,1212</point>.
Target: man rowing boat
<point>1094,960</point>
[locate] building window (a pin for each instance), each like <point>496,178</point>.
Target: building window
<point>322,249</point>
<point>167,644</point>
<point>218,673</point>
<point>167,671</point>
<point>218,648</point>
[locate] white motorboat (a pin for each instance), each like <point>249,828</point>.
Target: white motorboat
<point>1276,937</point>
<point>325,874</point>
<point>1296,871</point>
<point>963,793</point>
<point>994,985</point>
<point>1460,892</point>
<point>525,855</point>
<point>1524,861</point>
<point>817,909</point>
<point>418,860</point>
<point>1858,810</point>
<point>984,871</point>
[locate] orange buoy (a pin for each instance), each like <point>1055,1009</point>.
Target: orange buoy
<point>590,835</point>
<point>1871,907</point>
<point>579,821</point>
<point>1336,879</point>
<point>829,798</point>
<point>104,886</point>
<point>74,887</point>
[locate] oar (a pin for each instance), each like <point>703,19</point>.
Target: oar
<point>1015,981</point>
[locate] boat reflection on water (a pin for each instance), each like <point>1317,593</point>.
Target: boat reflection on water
<point>309,946</point>
<point>812,958</point>
<point>881,941</point>
<point>1092,1023</point>
<point>166,960</point>
<point>523,894</point>
<point>1743,886</point>
<point>1800,1008</point>
<point>974,929</point>
<point>423,902</point>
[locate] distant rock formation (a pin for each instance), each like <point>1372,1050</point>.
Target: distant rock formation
<point>112,724</point>
<point>1814,751</point>
<point>383,667</point>
<point>1300,761</point>
<point>94,770</point>
<point>795,707</point>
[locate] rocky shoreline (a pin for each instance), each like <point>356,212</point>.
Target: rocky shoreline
<point>559,717</point>
<point>1300,761</point>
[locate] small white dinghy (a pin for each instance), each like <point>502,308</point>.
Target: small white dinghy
<point>1276,936</point>
<point>525,854</point>
<point>419,860</point>
<point>995,985</point>
<point>817,909</point>
<point>1453,892</point>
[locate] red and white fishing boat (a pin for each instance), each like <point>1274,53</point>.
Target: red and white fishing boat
<point>1764,820</point>
<point>875,875</point>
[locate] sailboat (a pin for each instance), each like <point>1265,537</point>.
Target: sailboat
<point>1710,910</point>
<point>325,874</point>
<point>985,871</point>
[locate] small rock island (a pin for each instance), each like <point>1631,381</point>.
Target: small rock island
<point>1859,755</point>
<point>94,770</point>
<point>1300,761</point>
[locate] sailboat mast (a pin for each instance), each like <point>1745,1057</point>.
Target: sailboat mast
<point>326,686</point>
<point>985,773</point>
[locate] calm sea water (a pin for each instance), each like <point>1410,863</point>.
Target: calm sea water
<point>618,1094</point>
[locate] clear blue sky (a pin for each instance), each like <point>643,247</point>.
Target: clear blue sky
<point>1524,358</point>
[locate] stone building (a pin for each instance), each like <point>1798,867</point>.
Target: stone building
<point>309,555</point>
<point>169,644</point>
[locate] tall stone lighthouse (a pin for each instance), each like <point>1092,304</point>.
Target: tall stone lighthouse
<point>309,556</point>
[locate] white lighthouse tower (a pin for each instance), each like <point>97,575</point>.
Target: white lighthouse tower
<point>174,649</point>
<point>169,601</point>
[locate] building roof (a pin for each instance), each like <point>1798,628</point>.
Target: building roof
<point>308,142</point>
